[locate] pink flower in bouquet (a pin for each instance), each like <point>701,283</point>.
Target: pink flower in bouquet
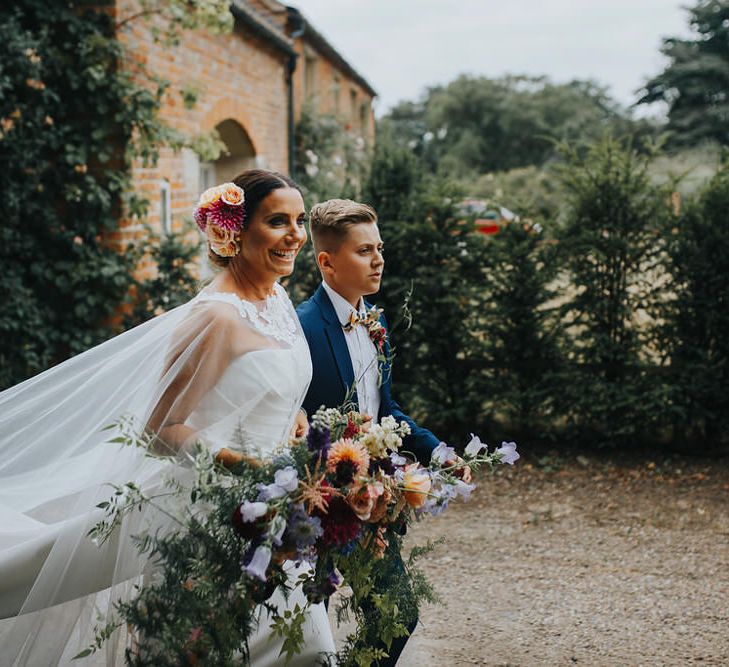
<point>362,498</point>
<point>416,483</point>
<point>258,565</point>
<point>347,459</point>
<point>381,505</point>
<point>352,428</point>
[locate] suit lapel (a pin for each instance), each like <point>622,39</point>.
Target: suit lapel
<point>335,337</point>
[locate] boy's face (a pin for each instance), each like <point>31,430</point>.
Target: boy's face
<point>355,268</point>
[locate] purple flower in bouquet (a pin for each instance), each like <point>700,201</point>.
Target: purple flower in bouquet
<point>285,481</point>
<point>259,562</point>
<point>463,489</point>
<point>397,460</point>
<point>349,547</point>
<point>507,453</point>
<point>474,447</point>
<point>287,478</point>
<point>268,492</point>
<point>442,454</point>
<point>320,592</point>
<point>251,511</point>
<point>437,502</point>
<point>303,530</point>
<point>318,441</point>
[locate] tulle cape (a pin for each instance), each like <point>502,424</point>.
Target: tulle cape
<point>168,378</point>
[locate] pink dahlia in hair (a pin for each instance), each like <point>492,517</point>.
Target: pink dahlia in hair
<point>201,218</point>
<point>226,216</point>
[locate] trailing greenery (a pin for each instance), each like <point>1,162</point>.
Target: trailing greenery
<point>73,119</point>
<point>337,500</point>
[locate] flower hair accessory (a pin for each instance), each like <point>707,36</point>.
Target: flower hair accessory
<point>220,215</point>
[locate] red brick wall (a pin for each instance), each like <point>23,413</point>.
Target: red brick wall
<point>322,97</point>
<point>238,77</point>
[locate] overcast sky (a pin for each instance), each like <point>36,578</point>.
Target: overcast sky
<point>402,46</point>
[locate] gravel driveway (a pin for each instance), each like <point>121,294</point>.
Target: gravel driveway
<point>581,560</point>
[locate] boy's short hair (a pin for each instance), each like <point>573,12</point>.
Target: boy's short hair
<point>330,220</point>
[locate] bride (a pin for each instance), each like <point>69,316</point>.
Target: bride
<point>230,366</point>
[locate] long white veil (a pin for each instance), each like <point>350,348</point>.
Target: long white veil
<point>57,463</point>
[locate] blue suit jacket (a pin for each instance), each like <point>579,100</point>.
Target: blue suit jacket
<point>333,373</point>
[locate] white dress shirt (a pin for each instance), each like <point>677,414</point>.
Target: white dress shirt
<point>362,352</point>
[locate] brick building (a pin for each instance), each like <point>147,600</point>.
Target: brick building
<point>252,85</point>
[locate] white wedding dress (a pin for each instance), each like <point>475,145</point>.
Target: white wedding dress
<point>229,373</point>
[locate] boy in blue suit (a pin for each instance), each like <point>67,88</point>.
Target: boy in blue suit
<point>344,349</point>
<point>348,250</point>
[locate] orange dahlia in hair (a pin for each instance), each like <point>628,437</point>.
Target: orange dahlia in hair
<point>347,459</point>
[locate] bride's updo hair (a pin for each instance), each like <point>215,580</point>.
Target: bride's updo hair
<point>257,184</point>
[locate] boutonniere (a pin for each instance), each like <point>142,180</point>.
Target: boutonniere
<point>370,320</point>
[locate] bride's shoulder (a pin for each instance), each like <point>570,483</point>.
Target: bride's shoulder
<point>215,311</point>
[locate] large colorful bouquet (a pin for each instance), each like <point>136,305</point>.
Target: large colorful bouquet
<point>339,499</point>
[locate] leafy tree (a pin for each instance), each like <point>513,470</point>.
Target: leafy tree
<point>332,162</point>
<point>73,119</point>
<point>697,318</point>
<point>529,191</point>
<point>394,179</point>
<point>477,124</point>
<point>695,83</point>
<point>612,252</point>
<point>519,330</point>
<point>430,292</point>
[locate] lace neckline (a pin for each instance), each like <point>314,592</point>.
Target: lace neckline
<point>273,319</point>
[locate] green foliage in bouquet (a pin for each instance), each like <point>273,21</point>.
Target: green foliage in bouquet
<point>219,539</point>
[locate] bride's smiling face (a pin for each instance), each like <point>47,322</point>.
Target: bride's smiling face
<point>275,234</point>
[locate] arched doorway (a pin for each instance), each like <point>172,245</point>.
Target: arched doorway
<point>238,156</point>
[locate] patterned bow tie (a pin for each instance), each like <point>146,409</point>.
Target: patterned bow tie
<point>370,321</point>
